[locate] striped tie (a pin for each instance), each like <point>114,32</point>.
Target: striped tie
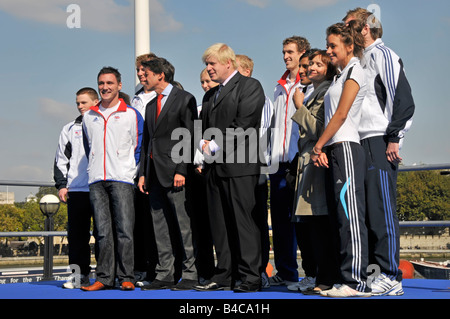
<point>217,93</point>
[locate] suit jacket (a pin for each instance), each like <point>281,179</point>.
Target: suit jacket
<point>233,121</point>
<point>170,155</point>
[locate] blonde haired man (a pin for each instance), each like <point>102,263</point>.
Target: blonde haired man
<point>236,104</point>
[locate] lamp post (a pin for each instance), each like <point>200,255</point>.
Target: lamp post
<point>49,206</point>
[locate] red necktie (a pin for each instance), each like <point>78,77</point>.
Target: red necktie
<point>158,110</point>
<point>158,106</point>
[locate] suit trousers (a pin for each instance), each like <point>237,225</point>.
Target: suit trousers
<point>236,236</point>
<point>145,252</point>
<point>382,219</point>
<point>348,208</point>
<point>173,231</point>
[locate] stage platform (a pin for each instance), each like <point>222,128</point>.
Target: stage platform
<point>268,303</point>
<point>414,289</point>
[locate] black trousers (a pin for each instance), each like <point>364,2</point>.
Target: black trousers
<point>260,215</point>
<point>201,231</point>
<point>79,213</point>
<point>348,208</point>
<point>231,202</point>
<point>382,219</point>
<point>319,258</point>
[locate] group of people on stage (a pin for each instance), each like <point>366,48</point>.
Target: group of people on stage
<point>173,209</point>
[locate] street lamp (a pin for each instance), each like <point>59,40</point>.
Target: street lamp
<point>49,206</point>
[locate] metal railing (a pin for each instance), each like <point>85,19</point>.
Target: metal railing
<point>48,260</point>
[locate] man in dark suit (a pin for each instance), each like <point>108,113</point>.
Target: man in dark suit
<point>231,118</point>
<point>163,172</point>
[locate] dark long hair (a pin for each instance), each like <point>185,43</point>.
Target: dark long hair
<point>350,34</point>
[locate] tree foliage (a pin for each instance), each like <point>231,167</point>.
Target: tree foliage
<point>423,195</point>
<point>28,216</point>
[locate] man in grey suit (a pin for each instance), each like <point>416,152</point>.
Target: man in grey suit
<point>231,117</point>
<point>163,175</point>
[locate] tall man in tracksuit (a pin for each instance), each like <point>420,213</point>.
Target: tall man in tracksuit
<point>283,150</point>
<point>113,135</point>
<point>387,113</point>
<point>71,181</point>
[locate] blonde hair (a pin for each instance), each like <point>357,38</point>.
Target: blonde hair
<point>222,52</point>
<point>204,71</point>
<point>245,62</point>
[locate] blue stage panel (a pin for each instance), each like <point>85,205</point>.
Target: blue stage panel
<point>414,289</point>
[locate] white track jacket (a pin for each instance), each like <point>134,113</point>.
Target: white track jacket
<point>388,107</point>
<point>70,167</point>
<point>113,144</point>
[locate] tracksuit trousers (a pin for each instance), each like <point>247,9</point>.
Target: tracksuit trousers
<point>382,219</point>
<point>347,210</point>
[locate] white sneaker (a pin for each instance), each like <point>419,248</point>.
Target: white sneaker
<point>325,292</point>
<point>303,285</point>
<point>74,283</point>
<point>139,277</point>
<point>342,291</point>
<point>384,286</point>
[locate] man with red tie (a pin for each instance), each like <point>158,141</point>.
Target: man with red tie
<point>163,175</point>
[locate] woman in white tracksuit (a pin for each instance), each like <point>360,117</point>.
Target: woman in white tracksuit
<point>339,149</point>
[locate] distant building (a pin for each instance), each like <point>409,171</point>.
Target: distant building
<point>31,198</point>
<point>7,198</point>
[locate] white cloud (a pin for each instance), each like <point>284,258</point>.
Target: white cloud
<point>99,15</point>
<point>55,110</point>
<point>257,3</point>
<point>307,5</point>
<point>25,173</point>
<point>310,4</point>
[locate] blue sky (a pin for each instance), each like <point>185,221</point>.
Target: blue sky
<point>43,62</point>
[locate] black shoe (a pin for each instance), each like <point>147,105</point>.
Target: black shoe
<point>212,286</point>
<point>158,285</point>
<point>247,287</point>
<point>185,284</point>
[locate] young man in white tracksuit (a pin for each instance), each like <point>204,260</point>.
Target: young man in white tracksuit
<point>283,149</point>
<point>71,181</point>
<point>113,135</point>
<point>387,114</point>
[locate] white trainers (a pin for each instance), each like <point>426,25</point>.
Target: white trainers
<point>74,283</point>
<point>343,291</point>
<point>325,292</point>
<point>303,285</point>
<point>384,286</point>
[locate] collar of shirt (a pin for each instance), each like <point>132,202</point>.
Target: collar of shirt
<point>165,94</point>
<point>229,78</point>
